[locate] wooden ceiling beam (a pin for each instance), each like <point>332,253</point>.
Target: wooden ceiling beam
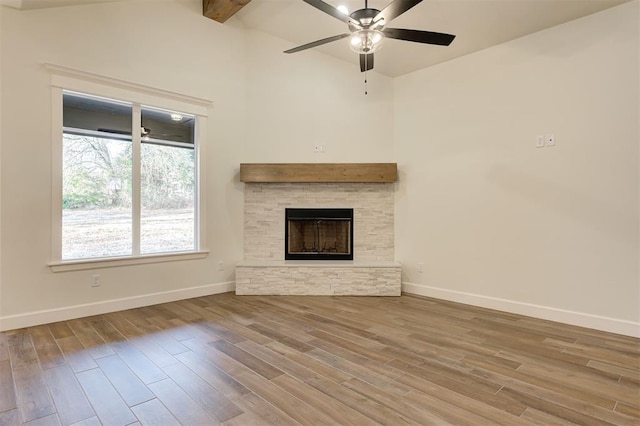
<point>221,10</point>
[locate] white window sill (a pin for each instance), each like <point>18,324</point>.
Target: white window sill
<point>78,265</point>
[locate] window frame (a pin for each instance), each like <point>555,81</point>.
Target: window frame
<point>63,78</point>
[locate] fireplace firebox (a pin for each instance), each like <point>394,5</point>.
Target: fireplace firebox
<point>318,234</point>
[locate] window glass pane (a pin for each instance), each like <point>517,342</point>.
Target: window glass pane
<point>98,205</point>
<point>167,127</point>
<point>167,220</point>
<point>97,215</point>
<point>90,115</point>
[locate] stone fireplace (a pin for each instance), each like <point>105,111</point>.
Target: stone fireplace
<point>278,253</point>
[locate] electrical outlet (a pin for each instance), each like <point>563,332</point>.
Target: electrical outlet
<point>550,139</point>
<point>421,267</point>
<point>319,149</point>
<point>221,265</point>
<point>95,280</point>
<point>540,141</point>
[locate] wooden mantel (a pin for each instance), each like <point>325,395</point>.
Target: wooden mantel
<point>318,172</point>
<point>221,10</point>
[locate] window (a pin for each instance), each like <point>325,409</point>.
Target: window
<point>128,177</point>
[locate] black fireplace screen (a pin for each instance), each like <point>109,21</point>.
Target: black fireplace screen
<point>319,234</point>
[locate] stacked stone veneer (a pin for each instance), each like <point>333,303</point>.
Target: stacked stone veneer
<point>372,205</point>
<point>264,270</point>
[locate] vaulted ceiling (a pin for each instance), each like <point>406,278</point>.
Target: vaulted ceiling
<point>477,24</point>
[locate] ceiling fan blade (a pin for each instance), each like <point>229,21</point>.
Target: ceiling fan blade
<point>317,43</point>
<point>330,10</point>
<point>418,36</point>
<point>394,9</point>
<point>366,62</point>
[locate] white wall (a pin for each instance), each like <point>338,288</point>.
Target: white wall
<point>169,46</point>
<point>128,41</point>
<point>638,103</point>
<point>550,232</point>
<point>1,95</point>
<point>299,100</point>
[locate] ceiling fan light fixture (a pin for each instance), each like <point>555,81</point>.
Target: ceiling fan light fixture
<point>367,29</point>
<point>366,41</point>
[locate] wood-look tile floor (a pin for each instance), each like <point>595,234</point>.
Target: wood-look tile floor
<point>241,360</point>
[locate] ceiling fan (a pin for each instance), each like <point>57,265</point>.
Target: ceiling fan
<point>367,29</point>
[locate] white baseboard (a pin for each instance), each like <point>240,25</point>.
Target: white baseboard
<point>612,325</point>
<point>29,319</point>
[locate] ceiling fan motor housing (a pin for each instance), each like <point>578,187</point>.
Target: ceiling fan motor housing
<point>365,17</point>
